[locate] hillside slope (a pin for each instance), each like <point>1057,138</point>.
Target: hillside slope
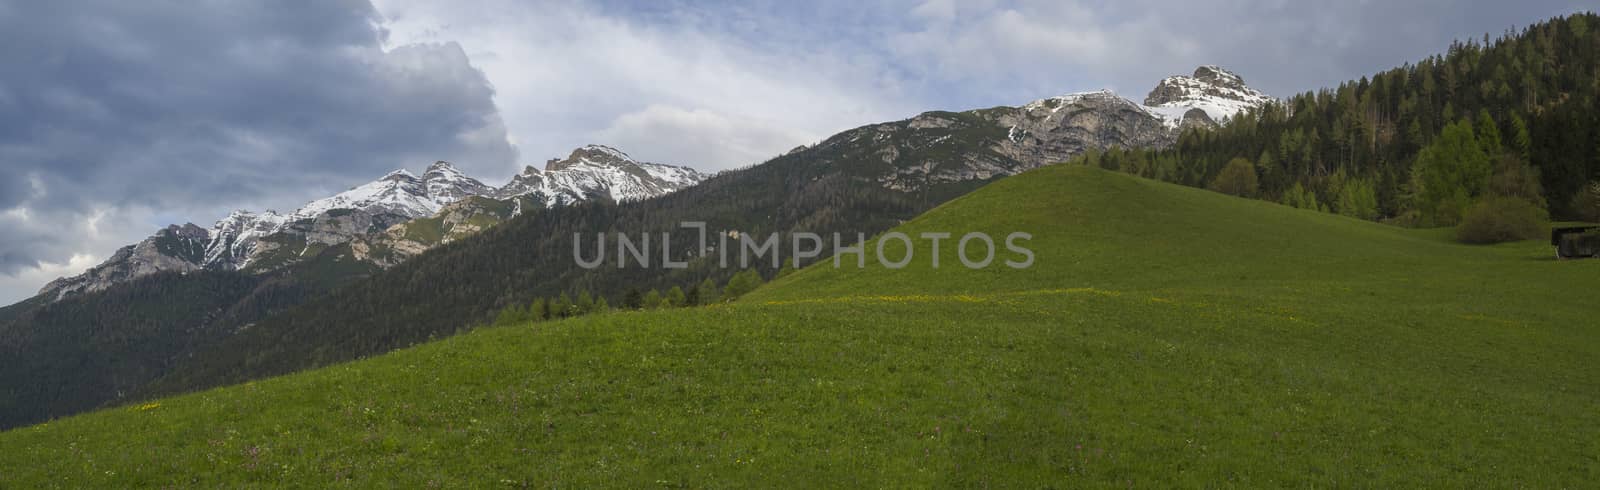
<point>865,180</point>
<point>1165,336</point>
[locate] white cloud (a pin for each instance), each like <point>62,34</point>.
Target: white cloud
<point>567,75</point>
<point>86,238</point>
<point>675,134</point>
<point>936,10</point>
<point>23,285</point>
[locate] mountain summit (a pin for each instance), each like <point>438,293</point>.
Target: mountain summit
<point>1220,93</point>
<point>597,170</point>
<point>400,193</point>
<point>261,242</point>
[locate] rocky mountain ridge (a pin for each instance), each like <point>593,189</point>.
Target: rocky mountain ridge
<point>375,214</point>
<point>930,149</point>
<point>940,147</point>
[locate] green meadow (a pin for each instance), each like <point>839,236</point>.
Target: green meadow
<point>1164,336</point>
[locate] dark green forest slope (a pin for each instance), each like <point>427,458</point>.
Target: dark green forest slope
<point>1530,97</point>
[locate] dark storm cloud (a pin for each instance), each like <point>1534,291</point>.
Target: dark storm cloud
<point>108,106</point>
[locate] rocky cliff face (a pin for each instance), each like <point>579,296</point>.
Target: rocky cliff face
<point>386,221</point>
<point>174,248</point>
<point>457,220</point>
<point>233,239</point>
<point>944,147</point>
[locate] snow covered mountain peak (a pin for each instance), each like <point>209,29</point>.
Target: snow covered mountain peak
<point>1220,93</point>
<point>234,237</point>
<point>445,184</point>
<point>598,170</point>
<point>399,192</point>
<point>265,241</point>
<point>442,171</point>
<point>240,217</point>
<point>1060,101</point>
<point>398,175</point>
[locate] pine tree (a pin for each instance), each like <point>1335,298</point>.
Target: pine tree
<point>585,304</point>
<point>1521,141</point>
<point>692,296</point>
<point>675,297</point>
<point>601,306</point>
<point>562,307</point>
<point>1488,134</point>
<point>1297,196</point>
<point>1358,199</point>
<point>539,310</point>
<point>708,293</point>
<point>652,300</point>
<point>510,315</point>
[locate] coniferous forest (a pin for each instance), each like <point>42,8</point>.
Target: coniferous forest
<point>1508,118</point>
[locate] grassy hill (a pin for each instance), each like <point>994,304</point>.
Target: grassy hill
<point>1165,336</point>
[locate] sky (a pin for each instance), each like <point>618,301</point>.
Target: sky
<point>118,118</point>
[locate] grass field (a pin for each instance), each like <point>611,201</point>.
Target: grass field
<point>1166,336</point>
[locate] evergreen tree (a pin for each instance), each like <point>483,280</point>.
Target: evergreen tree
<point>585,304</point>
<point>675,297</point>
<point>601,306</point>
<point>1488,134</point>
<point>1358,199</point>
<point>1521,142</point>
<point>692,296</point>
<point>562,307</point>
<point>539,310</point>
<point>652,300</point>
<point>633,299</point>
<point>708,293</point>
<point>510,315</point>
<point>1297,196</point>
